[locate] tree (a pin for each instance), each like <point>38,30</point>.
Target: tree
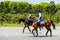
<point>44,6</point>
<point>52,7</point>
<point>57,7</point>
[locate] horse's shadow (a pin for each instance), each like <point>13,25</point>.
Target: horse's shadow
<point>44,36</point>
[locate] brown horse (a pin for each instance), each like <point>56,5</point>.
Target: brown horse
<point>27,22</point>
<point>46,24</point>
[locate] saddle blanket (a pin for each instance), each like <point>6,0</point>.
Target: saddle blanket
<point>41,22</point>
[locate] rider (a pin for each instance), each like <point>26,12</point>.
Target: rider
<point>39,17</point>
<point>30,14</point>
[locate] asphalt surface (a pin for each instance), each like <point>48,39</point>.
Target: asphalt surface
<point>15,33</point>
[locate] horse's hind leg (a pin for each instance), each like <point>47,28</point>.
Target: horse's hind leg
<point>24,29</point>
<point>50,32</point>
<point>29,29</point>
<point>47,32</point>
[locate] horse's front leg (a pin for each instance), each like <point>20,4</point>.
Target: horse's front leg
<point>29,29</point>
<point>39,27</point>
<point>24,29</point>
<point>36,32</point>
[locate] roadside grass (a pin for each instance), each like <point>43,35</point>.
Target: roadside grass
<point>12,25</point>
<point>57,24</point>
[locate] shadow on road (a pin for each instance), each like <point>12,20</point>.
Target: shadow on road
<point>45,36</point>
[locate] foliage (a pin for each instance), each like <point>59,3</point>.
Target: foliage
<point>11,11</point>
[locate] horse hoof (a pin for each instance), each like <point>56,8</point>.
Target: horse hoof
<point>35,36</point>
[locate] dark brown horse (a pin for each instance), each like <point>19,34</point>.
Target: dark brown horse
<point>27,22</point>
<point>46,24</point>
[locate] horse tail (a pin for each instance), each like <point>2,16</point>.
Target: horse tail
<point>52,24</point>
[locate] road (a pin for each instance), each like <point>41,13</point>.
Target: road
<point>15,33</point>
